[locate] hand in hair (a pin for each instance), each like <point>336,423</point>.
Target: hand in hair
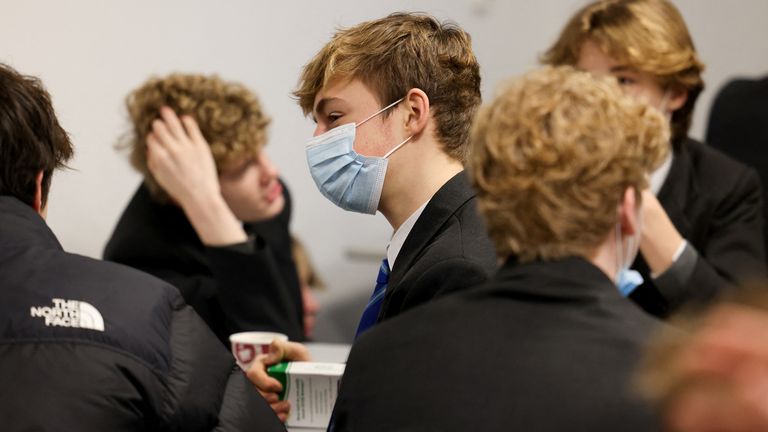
<point>180,160</point>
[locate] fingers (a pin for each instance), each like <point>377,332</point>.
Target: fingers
<point>193,131</point>
<point>173,123</point>
<point>282,409</point>
<point>257,374</point>
<point>271,398</point>
<point>265,383</point>
<point>170,133</point>
<point>156,153</point>
<point>269,388</point>
<point>286,351</point>
<point>174,133</point>
<point>279,351</point>
<point>296,352</point>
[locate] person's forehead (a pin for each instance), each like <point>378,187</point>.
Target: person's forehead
<point>591,55</point>
<point>593,58</point>
<point>350,90</point>
<point>240,161</point>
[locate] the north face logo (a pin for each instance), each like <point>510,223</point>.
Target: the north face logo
<point>69,313</point>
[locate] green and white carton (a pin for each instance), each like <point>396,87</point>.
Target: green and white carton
<point>311,388</point>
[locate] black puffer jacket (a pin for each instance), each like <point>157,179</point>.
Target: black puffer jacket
<point>87,345</point>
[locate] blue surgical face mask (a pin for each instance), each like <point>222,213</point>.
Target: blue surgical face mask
<point>626,280</point>
<point>348,179</point>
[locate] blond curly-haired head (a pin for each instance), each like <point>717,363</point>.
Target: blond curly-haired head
<point>400,52</point>
<point>648,35</point>
<point>552,155</point>
<point>229,115</point>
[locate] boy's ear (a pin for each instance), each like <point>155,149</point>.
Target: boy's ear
<point>417,105</point>
<point>677,98</point>
<point>37,204</point>
<point>630,224</point>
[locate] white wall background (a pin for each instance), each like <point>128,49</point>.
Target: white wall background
<point>91,53</point>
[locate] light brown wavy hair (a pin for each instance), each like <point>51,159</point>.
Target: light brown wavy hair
<point>229,115</point>
<point>400,52</point>
<point>552,155</point>
<point>648,35</point>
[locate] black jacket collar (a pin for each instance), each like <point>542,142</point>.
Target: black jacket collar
<point>678,187</point>
<point>444,204</point>
<point>571,278</point>
<point>21,226</point>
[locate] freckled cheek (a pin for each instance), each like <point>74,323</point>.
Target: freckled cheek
<point>375,142</point>
<point>361,146</point>
<point>365,144</point>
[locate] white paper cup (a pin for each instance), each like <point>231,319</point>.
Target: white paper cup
<point>247,345</point>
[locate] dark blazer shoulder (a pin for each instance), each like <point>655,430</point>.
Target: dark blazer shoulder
<point>527,327</point>
<point>449,227</point>
<point>705,160</point>
<point>701,181</point>
<point>447,250</point>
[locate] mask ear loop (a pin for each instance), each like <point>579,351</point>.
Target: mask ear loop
<point>389,153</point>
<point>381,111</point>
<point>619,250</point>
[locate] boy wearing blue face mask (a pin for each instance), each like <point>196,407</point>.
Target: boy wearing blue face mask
<point>393,101</point>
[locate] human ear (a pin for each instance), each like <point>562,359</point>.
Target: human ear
<point>37,203</point>
<point>629,212</point>
<point>417,111</point>
<point>677,98</point>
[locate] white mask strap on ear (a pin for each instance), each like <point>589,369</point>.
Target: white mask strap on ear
<point>619,250</point>
<point>381,110</point>
<point>397,147</point>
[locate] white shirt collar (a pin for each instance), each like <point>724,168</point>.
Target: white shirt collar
<point>398,238</point>
<point>660,174</point>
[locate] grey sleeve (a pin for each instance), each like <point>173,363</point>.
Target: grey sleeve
<point>673,282</point>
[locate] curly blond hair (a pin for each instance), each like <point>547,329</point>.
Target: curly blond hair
<point>397,53</point>
<point>552,155</point>
<point>648,35</point>
<point>229,115</point>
